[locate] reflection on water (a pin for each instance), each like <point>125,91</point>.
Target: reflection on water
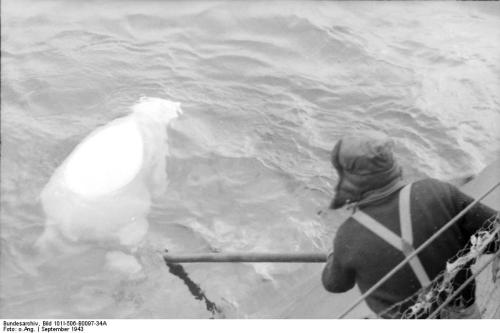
<point>266,90</point>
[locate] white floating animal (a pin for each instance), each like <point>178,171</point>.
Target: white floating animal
<point>102,192</point>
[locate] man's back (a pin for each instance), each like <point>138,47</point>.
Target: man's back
<point>363,257</point>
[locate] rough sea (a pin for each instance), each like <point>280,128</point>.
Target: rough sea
<point>267,88</point>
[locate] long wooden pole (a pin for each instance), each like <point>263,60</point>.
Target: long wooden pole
<point>245,257</point>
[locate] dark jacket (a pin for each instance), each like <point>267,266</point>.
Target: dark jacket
<point>363,258</point>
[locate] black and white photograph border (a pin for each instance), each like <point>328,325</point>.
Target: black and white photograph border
<point>249,160</point>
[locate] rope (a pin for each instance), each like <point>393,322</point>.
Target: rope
<point>194,288</point>
<point>417,251</point>
<point>458,290</point>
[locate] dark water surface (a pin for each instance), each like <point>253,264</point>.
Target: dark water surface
<point>266,89</point>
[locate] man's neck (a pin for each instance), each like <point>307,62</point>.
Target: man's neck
<point>382,192</point>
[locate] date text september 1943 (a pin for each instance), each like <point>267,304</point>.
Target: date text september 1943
<point>50,325</point>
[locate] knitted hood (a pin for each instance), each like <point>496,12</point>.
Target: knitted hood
<point>364,163</point>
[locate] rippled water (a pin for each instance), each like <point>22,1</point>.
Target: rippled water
<point>267,89</point>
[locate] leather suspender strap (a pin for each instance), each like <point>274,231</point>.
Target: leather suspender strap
<point>379,229</point>
<point>407,234</point>
<point>403,243</point>
<point>405,215</point>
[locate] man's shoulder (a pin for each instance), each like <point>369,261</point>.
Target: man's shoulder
<point>345,238</point>
<point>348,228</point>
<point>431,189</point>
<point>431,183</point>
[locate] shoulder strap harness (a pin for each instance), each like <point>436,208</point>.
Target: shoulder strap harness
<point>403,243</point>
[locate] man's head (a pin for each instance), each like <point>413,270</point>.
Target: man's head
<point>364,163</point>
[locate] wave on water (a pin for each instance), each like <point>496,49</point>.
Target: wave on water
<point>266,91</point>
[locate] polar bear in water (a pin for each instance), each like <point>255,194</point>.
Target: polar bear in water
<point>102,192</point>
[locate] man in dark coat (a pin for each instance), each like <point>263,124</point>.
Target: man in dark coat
<point>392,218</point>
